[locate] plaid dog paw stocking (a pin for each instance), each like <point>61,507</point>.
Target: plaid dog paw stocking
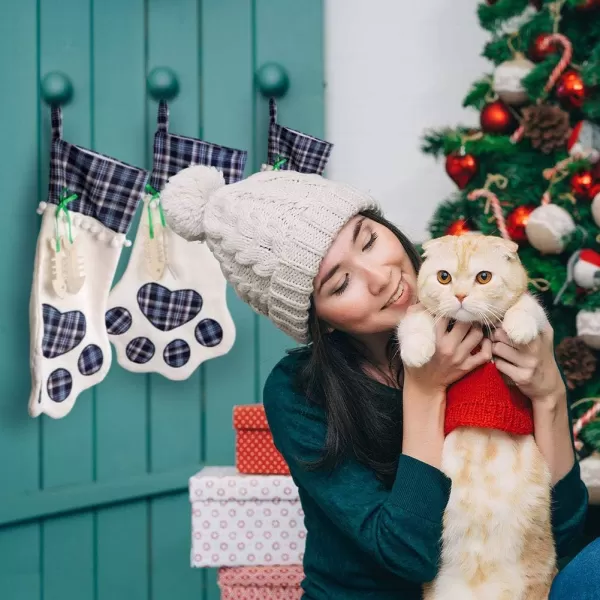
<point>293,150</point>
<point>92,199</point>
<point>168,313</point>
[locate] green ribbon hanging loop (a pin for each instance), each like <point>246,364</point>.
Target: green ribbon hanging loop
<point>65,200</point>
<point>155,198</point>
<point>279,162</point>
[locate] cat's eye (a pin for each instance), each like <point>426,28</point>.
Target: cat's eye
<point>483,277</point>
<point>444,277</point>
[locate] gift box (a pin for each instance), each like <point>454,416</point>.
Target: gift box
<point>261,583</point>
<point>245,520</point>
<point>255,453</point>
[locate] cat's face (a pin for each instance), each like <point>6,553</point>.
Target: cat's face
<point>471,278</point>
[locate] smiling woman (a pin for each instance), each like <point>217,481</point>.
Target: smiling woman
<point>362,434</point>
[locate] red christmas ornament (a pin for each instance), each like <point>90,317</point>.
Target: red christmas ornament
<point>459,227</point>
<point>497,118</point>
<point>570,89</point>
<point>582,185</point>
<point>588,5</point>
<point>516,222</point>
<point>537,51</point>
<point>461,168</point>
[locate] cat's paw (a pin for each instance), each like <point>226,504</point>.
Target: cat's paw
<point>521,327</point>
<point>417,351</point>
<point>416,335</point>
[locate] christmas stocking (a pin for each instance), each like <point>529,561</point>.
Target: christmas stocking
<point>293,150</point>
<point>92,199</point>
<point>168,313</point>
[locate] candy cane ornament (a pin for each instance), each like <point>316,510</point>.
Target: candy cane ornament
<point>584,420</point>
<point>492,199</point>
<point>563,63</point>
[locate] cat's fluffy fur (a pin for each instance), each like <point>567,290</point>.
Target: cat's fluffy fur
<point>497,540</point>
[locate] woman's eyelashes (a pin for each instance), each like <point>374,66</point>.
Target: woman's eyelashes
<point>367,246</point>
<point>371,241</point>
<point>342,288</point>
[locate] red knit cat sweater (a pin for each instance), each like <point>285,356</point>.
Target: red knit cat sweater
<point>483,399</point>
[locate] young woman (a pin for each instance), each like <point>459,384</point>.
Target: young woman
<point>362,435</point>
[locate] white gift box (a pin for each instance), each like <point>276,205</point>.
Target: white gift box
<point>242,520</point>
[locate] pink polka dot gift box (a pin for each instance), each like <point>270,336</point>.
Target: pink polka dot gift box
<point>245,520</point>
<point>261,583</point>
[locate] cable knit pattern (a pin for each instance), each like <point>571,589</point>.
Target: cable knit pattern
<point>269,233</point>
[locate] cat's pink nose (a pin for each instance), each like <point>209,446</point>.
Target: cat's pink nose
<point>460,297</point>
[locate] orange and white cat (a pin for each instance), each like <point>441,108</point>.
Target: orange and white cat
<point>497,539</point>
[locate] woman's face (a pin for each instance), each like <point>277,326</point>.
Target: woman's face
<point>366,281</point>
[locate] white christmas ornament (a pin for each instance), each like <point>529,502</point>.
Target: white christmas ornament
<point>596,209</point>
<point>588,327</point>
<point>584,141</point>
<point>508,79</point>
<point>548,228</point>
<point>586,271</point>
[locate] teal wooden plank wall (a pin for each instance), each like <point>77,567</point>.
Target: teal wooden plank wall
<point>94,506</point>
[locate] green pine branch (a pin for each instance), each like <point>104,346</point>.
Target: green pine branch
<point>491,16</point>
<point>476,97</point>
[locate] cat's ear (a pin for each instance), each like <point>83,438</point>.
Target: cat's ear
<point>507,247</point>
<point>433,245</point>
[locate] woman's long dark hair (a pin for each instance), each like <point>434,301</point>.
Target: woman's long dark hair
<point>360,419</point>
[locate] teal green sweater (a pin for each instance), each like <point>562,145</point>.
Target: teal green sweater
<point>366,541</point>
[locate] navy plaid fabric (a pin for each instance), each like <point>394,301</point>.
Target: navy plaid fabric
<point>90,360</point>
<point>172,153</point>
<point>59,385</point>
<point>107,189</point>
<point>117,320</point>
<point>209,333</point>
<point>140,350</point>
<point>62,331</point>
<point>167,310</point>
<point>177,353</point>
<point>304,153</point>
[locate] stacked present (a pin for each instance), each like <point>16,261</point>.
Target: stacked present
<point>247,519</point>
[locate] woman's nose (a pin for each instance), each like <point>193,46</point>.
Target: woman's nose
<point>378,278</point>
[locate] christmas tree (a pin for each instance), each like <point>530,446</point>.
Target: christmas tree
<point>531,172</point>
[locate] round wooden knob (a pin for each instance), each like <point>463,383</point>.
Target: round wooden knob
<point>56,89</point>
<point>162,83</point>
<point>272,80</point>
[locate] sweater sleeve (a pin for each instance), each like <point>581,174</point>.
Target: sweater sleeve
<point>400,528</point>
<point>569,506</point>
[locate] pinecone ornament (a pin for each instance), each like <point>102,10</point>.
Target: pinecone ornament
<point>546,126</point>
<point>576,360</point>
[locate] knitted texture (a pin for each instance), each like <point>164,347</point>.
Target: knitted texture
<point>483,399</point>
<point>269,233</point>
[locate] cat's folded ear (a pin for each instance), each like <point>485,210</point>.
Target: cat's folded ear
<point>434,244</point>
<point>507,247</point>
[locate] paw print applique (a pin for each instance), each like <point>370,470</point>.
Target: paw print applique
<point>172,326</point>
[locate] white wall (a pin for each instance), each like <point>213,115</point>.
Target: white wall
<point>395,68</point>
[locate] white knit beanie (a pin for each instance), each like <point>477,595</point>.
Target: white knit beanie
<point>269,232</point>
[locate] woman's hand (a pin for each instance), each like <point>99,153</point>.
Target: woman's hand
<point>453,356</point>
<point>531,366</point>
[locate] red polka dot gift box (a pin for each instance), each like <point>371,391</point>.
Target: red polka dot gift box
<point>255,452</point>
<point>245,520</point>
<point>261,583</point>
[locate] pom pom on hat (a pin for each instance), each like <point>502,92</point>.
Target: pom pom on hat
<point>184,199</point>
